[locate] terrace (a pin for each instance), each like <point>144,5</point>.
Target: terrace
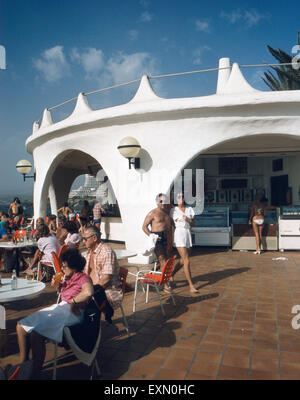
<point>238,327</point>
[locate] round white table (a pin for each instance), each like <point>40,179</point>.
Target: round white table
<point>20,245</point>
<point>25,289</point>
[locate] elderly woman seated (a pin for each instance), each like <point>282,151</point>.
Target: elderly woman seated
<point>76,290</point>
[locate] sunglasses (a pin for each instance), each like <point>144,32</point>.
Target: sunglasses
<point>86,238</point>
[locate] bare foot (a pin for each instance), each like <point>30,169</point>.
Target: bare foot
<point>194,290</point>
<point>167,290</point>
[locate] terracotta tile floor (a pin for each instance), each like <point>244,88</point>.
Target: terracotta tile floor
<point>238,327</point>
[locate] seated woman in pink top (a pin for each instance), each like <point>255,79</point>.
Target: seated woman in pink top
<point>73,238</point>
<point>76,290</point>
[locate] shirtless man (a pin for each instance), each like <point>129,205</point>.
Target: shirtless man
<point>160,223</point>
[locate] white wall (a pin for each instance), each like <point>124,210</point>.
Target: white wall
<point>171,132</point>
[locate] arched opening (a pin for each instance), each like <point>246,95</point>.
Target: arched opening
<point>75,176</point>
<point>234,172</point>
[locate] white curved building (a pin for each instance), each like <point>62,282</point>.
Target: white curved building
<point>237,121</point>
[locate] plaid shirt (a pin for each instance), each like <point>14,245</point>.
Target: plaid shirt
<point>105,263</point>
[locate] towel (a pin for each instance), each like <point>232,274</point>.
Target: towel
<point>152,239</point>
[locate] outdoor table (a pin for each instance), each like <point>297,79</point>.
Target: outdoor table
<point>25,289</point>
<point>17,246</point>
<point>120,253</point>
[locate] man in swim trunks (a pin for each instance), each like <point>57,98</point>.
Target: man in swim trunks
<point>160,223</point>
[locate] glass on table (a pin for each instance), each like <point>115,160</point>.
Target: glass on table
<point>58,278</point>
<point>30,276</point>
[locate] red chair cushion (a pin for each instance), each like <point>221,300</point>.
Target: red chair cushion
<point>154,277</point>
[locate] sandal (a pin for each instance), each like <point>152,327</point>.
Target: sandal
<point>257,252</point>
<point>168,290</point>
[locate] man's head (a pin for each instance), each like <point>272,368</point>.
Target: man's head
<point>161,201</point>
<point>91,237</point>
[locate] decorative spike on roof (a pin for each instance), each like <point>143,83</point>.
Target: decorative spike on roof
<point>47,118</point>
<point>237,83</point>
<point>35,127</point>
<point>82,105</point>
<point>144,92</point>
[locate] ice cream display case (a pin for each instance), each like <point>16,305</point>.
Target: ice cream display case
<point>289,228</point>
<point>243,237</point>
<point>212,227</point>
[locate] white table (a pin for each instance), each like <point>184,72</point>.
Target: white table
<point>25,289</point>
<point>20,245</point>
<point>121,254</point>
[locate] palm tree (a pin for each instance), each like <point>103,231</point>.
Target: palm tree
<point>288,78</point>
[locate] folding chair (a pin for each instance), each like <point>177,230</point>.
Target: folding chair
<point>157,279</point>
<point>83,339</point>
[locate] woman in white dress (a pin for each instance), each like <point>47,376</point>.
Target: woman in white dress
<point>183,218</point>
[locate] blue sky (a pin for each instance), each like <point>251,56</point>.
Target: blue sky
<point>56,49</point>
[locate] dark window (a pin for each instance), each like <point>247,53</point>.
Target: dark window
<point>232,165</point>
<point>278,165</point>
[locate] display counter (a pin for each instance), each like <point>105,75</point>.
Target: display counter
<point>243,237</point>
<point>289,228</point>
<point>212,227</point>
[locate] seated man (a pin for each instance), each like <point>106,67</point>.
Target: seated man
<point>102,266</point>
<point>49,322</point>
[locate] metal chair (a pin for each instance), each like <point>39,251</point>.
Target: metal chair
<point>157,279</point>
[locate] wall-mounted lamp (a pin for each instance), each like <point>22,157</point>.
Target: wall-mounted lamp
<point>130,148</point>
<point>24,167</point>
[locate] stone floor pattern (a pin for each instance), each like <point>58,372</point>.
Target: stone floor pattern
<point>238,327</point>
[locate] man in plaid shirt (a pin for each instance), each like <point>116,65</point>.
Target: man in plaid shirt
<point>102,266</point>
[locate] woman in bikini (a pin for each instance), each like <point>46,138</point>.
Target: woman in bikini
<point>258,211</point>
